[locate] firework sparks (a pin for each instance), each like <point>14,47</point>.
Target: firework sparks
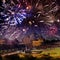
<point>29,13</point>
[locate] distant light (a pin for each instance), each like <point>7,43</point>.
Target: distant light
<point>36,25</point>
<point>7,19</point>
<point>48,16</point>
<point>51,21</point>
<point>12,12</point>
<point>41,21</point>
<point>28,7</point>
<point>24,30</point>
<point>33,21</point>
<point>30,22</point>
<point>19,5</point>
<point>58,20</point>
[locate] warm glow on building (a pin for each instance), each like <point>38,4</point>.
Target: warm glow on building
<point>37,43</point>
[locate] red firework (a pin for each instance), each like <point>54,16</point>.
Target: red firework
<point>52,30</point>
